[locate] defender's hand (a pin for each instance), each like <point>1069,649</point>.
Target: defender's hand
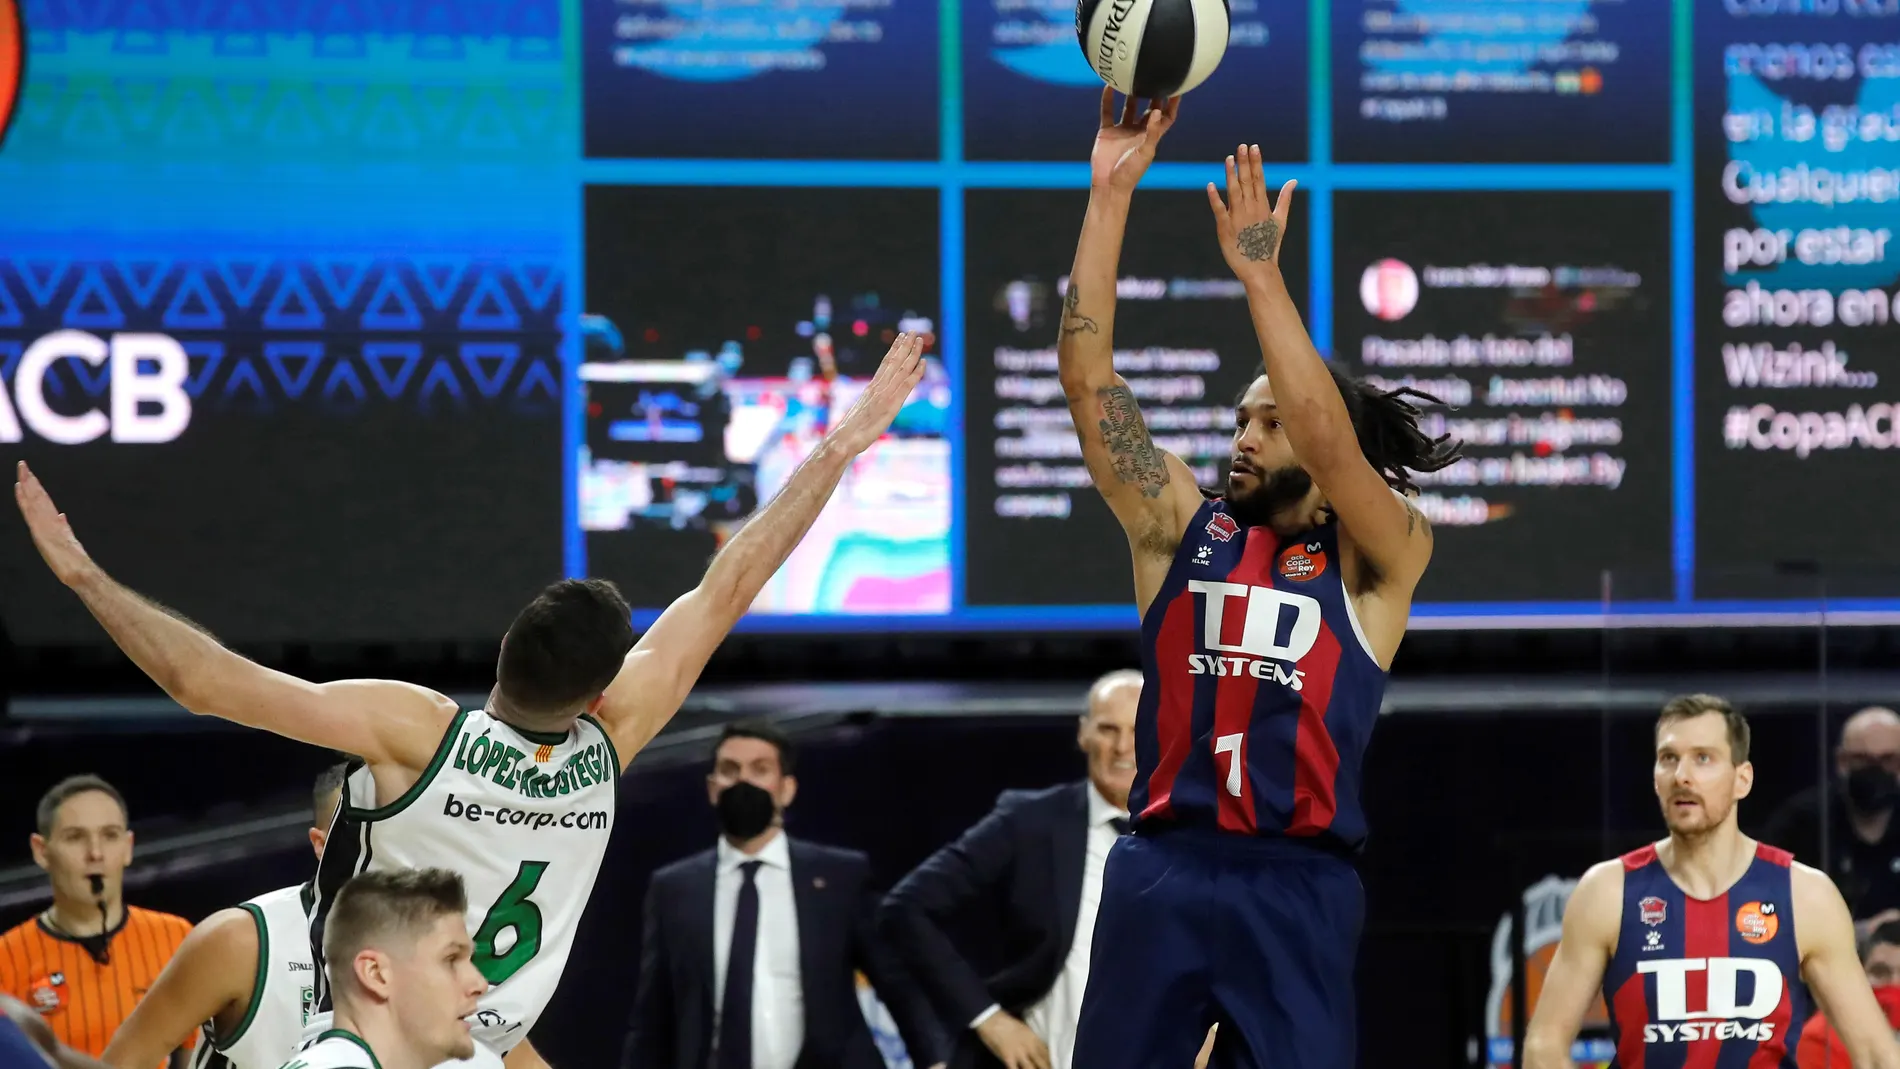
<point>1123,150</point>
<point>51,533</point>
<point>871,414</point>
<point>1249,225</point>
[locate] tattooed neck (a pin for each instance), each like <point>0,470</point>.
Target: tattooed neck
<point>1073,321</point>
<point>1259,241</point>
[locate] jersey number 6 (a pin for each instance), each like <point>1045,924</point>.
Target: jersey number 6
<point>1230,745</point>
<point>512,910</point>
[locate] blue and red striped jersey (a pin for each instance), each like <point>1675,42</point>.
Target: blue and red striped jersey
<point>1260,690</point>
<point>1708,983</point>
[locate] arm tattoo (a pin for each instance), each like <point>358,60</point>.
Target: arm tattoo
<point>1259,241</point>
<point>1130,449</point>
<point>1073,321</point>
<point>1414,519</point>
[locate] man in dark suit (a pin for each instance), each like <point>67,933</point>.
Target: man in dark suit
<point>1035,862</point>
<point>750,950</point>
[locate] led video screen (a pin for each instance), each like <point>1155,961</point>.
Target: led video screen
<point>357,323</point>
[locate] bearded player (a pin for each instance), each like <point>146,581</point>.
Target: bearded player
<point>518,796</point>
<point>1706,945</point>
<point>1270,615</point>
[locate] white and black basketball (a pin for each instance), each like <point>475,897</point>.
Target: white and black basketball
<point>1152,48</point>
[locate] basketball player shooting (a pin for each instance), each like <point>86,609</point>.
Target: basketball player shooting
<point>1708,946</point>
<point>518,796</point>
<point>1270,615</point>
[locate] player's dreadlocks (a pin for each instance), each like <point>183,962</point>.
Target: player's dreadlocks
<point>1386,425</point>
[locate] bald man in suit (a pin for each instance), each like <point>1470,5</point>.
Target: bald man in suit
<point>1036,862</point>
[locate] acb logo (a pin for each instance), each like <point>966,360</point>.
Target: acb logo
<point>12,60</point>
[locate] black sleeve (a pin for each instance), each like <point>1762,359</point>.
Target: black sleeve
<point>651,1040</point>
<point>972,868</point>
<point>896,986</point>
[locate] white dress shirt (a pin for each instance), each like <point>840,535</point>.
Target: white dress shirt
<point>778,992</point>
<point>1054,1019</point>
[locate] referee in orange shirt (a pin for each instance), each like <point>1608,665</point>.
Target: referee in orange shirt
<point>85,961</point>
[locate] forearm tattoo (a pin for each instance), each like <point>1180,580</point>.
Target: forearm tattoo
<point>1259,241</point>
<point>1137,461</point>
<point>1073,321</point>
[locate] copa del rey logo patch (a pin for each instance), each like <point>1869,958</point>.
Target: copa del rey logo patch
<point>1223,527</point>
<point>1302,562</point>
<point>1757,922</point>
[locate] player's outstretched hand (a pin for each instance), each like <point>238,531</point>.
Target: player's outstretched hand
<point>51,533</point>
<point>871,414</point>
<point>1250,226</point>
<point>1123,150</point>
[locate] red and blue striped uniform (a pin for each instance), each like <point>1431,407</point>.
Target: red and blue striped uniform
<point>1707,983</point>
<point>1235,902</point>
<point>1260,691</point>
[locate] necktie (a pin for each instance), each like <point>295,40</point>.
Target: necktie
<point>735,1011</point>
<point>1120,824</point>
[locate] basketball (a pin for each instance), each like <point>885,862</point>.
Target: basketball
<point>1152,48</point>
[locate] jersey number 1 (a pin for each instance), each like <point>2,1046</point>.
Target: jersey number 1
<point>512,910</point>
<point>1230,745</point>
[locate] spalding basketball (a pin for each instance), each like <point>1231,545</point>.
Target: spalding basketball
<point>1152,48</point>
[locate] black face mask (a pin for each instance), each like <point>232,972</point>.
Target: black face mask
<point>745,810</point>
<point>1870,788</point>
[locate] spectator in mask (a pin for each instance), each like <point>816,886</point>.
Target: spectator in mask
<point>1820,1046</point>
<point>1863,839</point>
<point>751,949</point>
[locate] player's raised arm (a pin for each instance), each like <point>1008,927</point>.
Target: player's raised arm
<point>1832,969</point>
<point>1388,530</point>
<point>1576,971</point>
<point>377,720</point>
<point>666,662</point>
<point>199,984</point>
<point>1150,491</point>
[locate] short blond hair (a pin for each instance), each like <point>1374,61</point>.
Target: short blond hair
<point>375,909</point>
<point>1690,706</point>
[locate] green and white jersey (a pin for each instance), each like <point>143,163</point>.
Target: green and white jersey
<point>524,817</point>
<point>283,996</point>
<point>335,1049</point>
